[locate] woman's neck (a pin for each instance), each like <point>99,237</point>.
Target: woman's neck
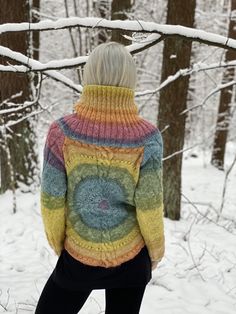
<point>108,104</point>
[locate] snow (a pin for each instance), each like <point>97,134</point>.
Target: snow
<point>196,275</point>
<point>138,45</point>
<point>136,26</point>
<point>38,66</point>
<point>31,63</point>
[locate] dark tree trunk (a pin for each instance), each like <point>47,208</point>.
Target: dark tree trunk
<point>104,12</point>
<point>118,9</point>
<point>173,100</point>
<point>18,160</point>
<point>35,34</point>
<point>224,109</point>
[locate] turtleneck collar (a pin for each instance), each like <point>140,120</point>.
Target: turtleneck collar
<point>107,104</point>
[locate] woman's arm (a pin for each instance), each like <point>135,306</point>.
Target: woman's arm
<point>53,188</point>
<point>149,198</point>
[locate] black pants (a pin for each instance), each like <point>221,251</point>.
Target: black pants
<point>56,300</point>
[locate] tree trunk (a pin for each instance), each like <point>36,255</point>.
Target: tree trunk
<point>224,109</point>
<point>18,160</point>
<point>173,100</point>
<point>104,11</point>
<point>118,9</point>
<point>35,34</point>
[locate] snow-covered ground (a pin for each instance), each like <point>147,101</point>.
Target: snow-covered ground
<point>196,276</point>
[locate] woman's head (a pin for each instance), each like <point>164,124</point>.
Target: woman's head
<point>110,64</point>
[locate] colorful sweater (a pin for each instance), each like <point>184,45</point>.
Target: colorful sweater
<point>101,188</point>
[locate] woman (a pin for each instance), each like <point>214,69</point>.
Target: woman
<point>102,192</point>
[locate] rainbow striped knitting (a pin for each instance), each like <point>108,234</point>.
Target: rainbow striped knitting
<point>101,189</point>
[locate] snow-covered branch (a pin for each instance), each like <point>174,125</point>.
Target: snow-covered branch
<point>31,65</point>
<point>34,65</point>
<point>64,63</point>
<point>127,25</point>
<point>195,68</point>
<point>160,32</point>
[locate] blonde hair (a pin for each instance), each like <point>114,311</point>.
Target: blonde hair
<point>110,64</point>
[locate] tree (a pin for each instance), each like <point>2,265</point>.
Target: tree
<point>173,100</point>
<point>224,109</point>
<point>35,35</point>
<point>18,160</point>
<point>103,9</point>
<point>118,9</point>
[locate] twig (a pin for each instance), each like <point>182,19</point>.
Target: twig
<point>225,186</point>
<point>190,249</point>
<point>210,220</point>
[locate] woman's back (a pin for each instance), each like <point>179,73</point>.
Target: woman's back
<point>95,155</point>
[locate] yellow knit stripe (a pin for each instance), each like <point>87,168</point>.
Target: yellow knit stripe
<point>78,154</point>
<point>104,259</point>
<point>122,153</point>
<point>152,228</point>
<point>118,116</point>
<point>96,247</point>
<point>113,90</point>
<point>77,160</point>
<point>107,103</point>
<point>54,224</point>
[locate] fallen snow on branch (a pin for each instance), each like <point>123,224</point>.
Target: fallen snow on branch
<point>29,64</point>
<point>32,64</point>
<point>135,26</point>
<point>63,63</point>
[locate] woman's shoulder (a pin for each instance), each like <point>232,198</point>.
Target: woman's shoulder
<point>65,119</point>
<point>65,123</point>
<point>153,141</point>
<point>151,131</point>
<point>68,119</point>
<point>148,124</point>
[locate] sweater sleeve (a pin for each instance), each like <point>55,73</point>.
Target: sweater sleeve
<point>53,188</point>
<point>149,197</point>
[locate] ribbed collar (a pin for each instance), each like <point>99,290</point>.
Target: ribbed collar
<point>107,104</point>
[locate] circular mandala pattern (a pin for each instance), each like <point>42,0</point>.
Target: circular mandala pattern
<point>94,199</point>
<point>97,202</point>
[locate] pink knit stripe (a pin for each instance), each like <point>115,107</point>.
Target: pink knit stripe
<point>110,130</point>
<point>55,141</point>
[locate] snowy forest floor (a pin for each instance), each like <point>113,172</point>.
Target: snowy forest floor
<point>196,276</point>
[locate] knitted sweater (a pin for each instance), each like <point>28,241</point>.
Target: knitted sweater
<point>101,187</point>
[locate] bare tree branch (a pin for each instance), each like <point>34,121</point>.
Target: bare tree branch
<point>151,40</point>
<point>225,186</point>
<point>30,64</point>
<point>177,31</point>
